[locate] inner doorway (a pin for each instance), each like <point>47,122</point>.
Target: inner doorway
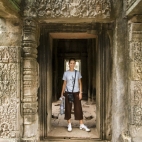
<point>46,57</point>
<point>63,49</point>
<point>80,49</point>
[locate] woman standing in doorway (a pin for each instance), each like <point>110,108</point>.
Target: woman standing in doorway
<point>69,77</point>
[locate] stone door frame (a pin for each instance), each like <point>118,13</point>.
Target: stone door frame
<point>101,103</point>
<point>46,12</point>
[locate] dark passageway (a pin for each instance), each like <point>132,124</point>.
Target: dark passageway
<point>80,49</point>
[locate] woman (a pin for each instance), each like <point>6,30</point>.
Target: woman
<point>69,78</point>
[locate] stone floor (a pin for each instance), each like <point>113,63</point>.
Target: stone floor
<point>59,125</point>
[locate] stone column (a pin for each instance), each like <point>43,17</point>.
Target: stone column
<point>30,80</point>
<point>119,81</point>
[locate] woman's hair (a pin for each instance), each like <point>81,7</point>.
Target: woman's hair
<point>72,59</point>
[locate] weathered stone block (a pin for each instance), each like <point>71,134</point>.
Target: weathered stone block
<point>136,103</point>
<point>31,127</point>
<point>10,39</point>
<point>29,119</point>
<point>31,64</point>
<point>136,32</point>
<point>9,92</point>
<point>67,9</point>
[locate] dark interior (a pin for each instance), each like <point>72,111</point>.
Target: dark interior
<point>64,49</point>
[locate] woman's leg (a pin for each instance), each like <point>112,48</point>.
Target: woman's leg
<point>79,113</point>
<point>69,126</point>
<point>68,107</point>
<point>77,107</point>
<point>69,121</point>
<point>80,121</point>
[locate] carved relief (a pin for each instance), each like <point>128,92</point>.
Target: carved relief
<point>135,82</point>
<point>125,137</point>
<point>8,91</point>
<point>67,8</point>
<point>136,102</point>
<point>136,55</point>
<point>135,116</point>
<point>8,54</point>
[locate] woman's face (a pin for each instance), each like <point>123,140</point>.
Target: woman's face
<point>72,64</point>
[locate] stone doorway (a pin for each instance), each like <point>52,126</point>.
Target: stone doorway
<point>97,79</point>
<point>63,49</point>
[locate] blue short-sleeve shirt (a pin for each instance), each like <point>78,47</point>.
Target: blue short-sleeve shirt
<point>69,78</point>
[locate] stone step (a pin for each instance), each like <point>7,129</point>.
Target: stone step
<point>73,140</point>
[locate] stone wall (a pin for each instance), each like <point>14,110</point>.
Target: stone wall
<point>10,52</point>
<point>135,79</point>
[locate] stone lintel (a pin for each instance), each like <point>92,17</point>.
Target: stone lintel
<point>76,20</point>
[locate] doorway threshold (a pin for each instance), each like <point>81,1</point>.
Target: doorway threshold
<point>77,135</point>
<point>58,139</point>
<point>72,140</point>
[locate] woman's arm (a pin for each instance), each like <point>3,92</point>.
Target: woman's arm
<point>63,88</point>
<point>80,88</point>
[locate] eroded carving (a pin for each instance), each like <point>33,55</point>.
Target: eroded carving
<point>136,56</point>
<point>8,115</point>
<point>125,137</point>
<point>135,82</point>
<point>134,129</point>
<point>8,91</point>
<point>136,103</point>
<point>67,8</point>
<point>8,54</point>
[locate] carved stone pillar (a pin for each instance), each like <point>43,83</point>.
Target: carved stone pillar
<point>30,79</point>
<point>135,81</point>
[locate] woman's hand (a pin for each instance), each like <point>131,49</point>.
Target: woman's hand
<point>63,88</point>
<point>80,88</point>
<point>80,96</point>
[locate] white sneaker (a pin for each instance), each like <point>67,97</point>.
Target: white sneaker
<point>83,127</point>
<point>69,127</point>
